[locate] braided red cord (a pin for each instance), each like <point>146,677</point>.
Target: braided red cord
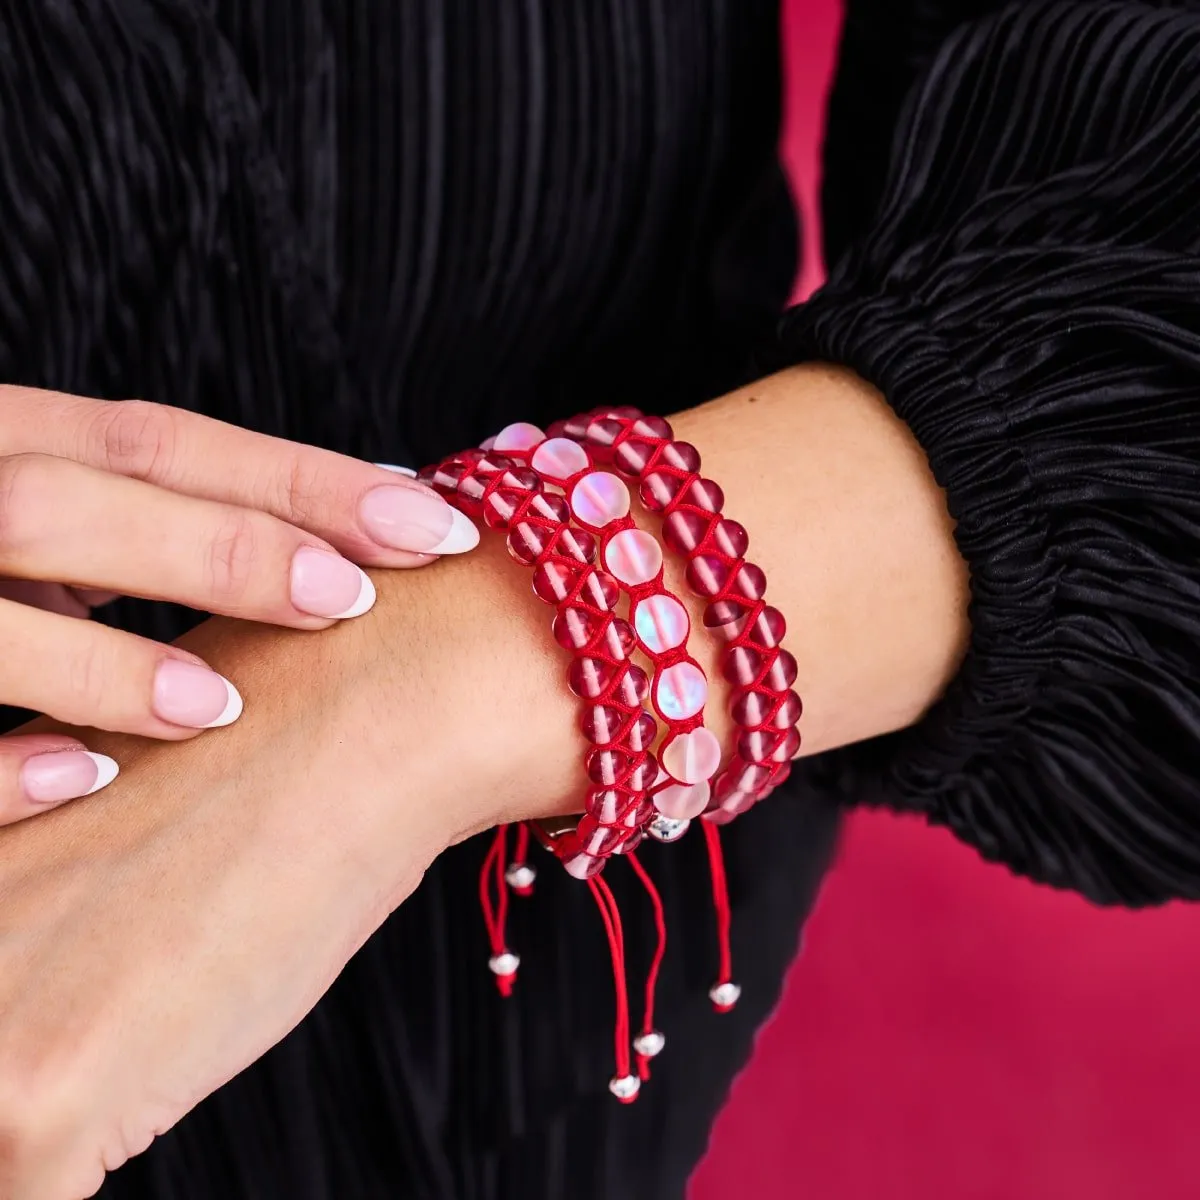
<point>611,916</point>
<point>660,925</point>
<point>495,917</point>
<point>521,856</point>
<point>720,888</point>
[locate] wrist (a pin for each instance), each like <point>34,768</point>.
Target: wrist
<point>476,688</point>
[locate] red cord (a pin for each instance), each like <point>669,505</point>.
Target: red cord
<point>720,888</point>
<point>611,916</point>
<point>660,923</point>
<point>496,918</point>
<point>521,855</point>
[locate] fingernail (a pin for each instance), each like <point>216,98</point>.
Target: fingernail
<point>66,775</point>
<point>407,518</point>
<point>328,585</point>
<point>399,470</point>
<point>194,697</point>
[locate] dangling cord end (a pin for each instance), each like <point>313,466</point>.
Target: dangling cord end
<point>624,1084</point>
<point>520,874</point>
<point>503,962</point>
<point>649,1043</point>
<point>724,993</point>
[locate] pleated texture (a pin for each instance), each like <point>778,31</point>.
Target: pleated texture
<point>389,227</point>
<point>1027,295</point>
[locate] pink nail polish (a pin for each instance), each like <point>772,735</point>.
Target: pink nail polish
<point>411,518</point>
<point>65,775</point>
<point>327,585</point>
<point>193,696</point>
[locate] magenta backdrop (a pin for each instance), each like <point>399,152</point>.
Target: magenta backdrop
<point>951,1033</point>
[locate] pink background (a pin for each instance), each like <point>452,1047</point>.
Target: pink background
<point>952,1033</point>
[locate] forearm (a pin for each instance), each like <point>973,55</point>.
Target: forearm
<point>451,695</point>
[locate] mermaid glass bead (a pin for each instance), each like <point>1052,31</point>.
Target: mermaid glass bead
<point>661,623</point>
<point>633,557</point>
<point>680,691</point>
<point>599,498</point>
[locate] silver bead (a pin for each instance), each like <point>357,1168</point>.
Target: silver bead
<point>649,1045</point>
<point>625,1087</point>
<point>520,875</point>
<point>667,829</point>
<point>504,964</point>
<point>725,995</point>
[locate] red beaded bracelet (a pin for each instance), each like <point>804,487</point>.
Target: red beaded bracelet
<point>512,498</point>
<point>690,755</point>
<point>764,707</point>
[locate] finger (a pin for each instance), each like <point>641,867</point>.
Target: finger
<point>372,515</point>
<point>93,598</point>
<point>64,521</point>
<point>83,673</point>
<point>39,772</point>
<point>53,597</point>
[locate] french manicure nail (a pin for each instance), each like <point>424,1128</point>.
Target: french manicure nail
<point>408,518</point>
<point>193,696</point>
<point>324,584</point>
<point>398,470</point>
<point>65,775</point>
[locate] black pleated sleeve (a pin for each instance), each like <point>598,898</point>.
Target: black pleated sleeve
<point>1027,296</point>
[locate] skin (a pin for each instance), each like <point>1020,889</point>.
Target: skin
<point>100,499</point>
<point>158,937</point>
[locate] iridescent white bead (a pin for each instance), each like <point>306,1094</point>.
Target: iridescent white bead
<point>504,964</point>
<point>725,995</point>
<point>692,757</point>
<point>667,829</point>
<point>680,691</point>
<point>649,1045</point>
<point>520,875</point>
<point>557,459</point>
<point>682,801</point>
<point>599,498</point>
<point>520,436</point>
<point>625,1087</point>
<point>660,622</point>
<point>633,556</point>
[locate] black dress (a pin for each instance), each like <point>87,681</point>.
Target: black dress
<point>390,226</point>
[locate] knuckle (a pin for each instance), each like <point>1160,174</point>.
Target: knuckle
<point>90,671</point>
<point>135,437</point>
<point>25,498</point>
<point>303,490</point>
<point>231,558</point>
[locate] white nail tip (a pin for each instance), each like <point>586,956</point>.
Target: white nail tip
<point>398,470</point>
<point>106,771</point>
<point>232,709</point>
<point>365,601</point>
<point>463,536</point>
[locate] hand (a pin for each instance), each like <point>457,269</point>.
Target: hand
<point>157,939</point>
<point>101,498</point>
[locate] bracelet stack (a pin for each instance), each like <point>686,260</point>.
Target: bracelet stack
<point>563,499</point>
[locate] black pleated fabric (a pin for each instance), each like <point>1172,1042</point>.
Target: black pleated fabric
<point>389,226</point>
<point>1028,297</point>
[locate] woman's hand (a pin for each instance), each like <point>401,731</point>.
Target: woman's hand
<point>159,938</point>
<point>99,499</point>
